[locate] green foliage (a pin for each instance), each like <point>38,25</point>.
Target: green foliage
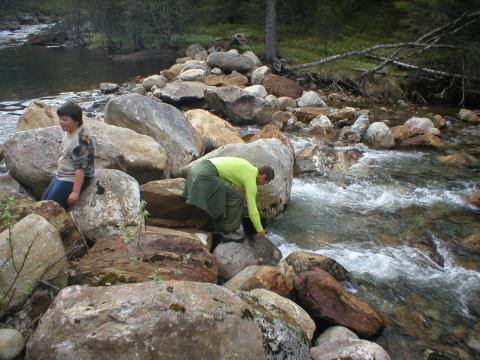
<point>134,260</point>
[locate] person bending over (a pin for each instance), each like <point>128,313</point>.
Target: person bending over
<point>217,186</point>
<point>75,166</point>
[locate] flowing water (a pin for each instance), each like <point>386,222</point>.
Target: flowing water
<point>396,219</point>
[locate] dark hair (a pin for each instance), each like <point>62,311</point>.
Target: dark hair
<point>268,171</point>
<point>72,110</point>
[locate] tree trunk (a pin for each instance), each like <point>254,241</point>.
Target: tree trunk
<point>271,31</point>
<point>137,28</point>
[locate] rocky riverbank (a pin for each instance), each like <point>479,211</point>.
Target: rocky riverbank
<point>168,289</point>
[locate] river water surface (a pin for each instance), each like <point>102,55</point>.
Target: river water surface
<point>396,219</point>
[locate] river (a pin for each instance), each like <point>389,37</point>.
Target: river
<point>396,219</point>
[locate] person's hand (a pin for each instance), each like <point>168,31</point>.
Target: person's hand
<point>260,234</point>
<point>72,199</point>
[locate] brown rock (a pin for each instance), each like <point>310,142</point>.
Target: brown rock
<point>281,86</point>
<point>57,217</point>
<point>202,237</point>
<point>37,115</point>
<point>328,303</point>
<point>460,159</point>
<point>235,78</point>
<point>167,206</point>
<point>305,261</point>
<point>474,199</point>
<point>468,115</point>
<point>271,131</point>
<point>281,118</point>
<point>322,132</point>
<point>425,140</point>
<point>168,256</point>
<point>173,72</point>
<point>263,277</point>
<point>403,132</point>
<point>439,121</point>
<point>307,114</point>
<point>341,114</point>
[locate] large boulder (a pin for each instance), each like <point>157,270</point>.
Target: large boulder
<point>281,86</point>
<point>335,333</point>
<point>32,155</point>
<point>259,74</point>
<point>182,92</point>
<point>355,133</point>
<point>214,131</point>
<point>33,251</point>
<point>271,131</point>
<point>111,198</point>
<point>298,315</point>
<point>306,261</point>
<point>230,61</point>
<point>11,344</point>
<point>233,257</point>
<point>163,122</point>
<point>238,107</point>
<point>256,90</point>
<point>154,80</point>
<point>403,132</point>
<point>169,256</point>
<point>321,128</point>
<point>425,141</point>
<point>165,319</point>
<point>192,75</point>
<point>272,197</point>
<point>311,99</point>
<point>425,125</point>
<point>37,115</point>
<point>378,135</point>
<point>468,115</point>
<point>352,349</point>
<point>328,303</point>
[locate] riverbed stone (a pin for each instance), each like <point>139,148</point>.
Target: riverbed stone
<point>311,99</point>
<point>233,79</point>
<point>253,58</point>
<point>329,304</point>
<point>354,133</point>
<point>281,86</point>
<point>403,132</point>
<point>282,118</point>
<point>144,256</point>
<point>256,90</point>
<point>109,88</point>
<point>335,333</point>
<point>183,92</point>
<point>272,131</point>
<point>11,344</point>
<point>194,65</point>
<point>352,349</point>
<point>272,197</point>
<point>208,322</point>
<point>425,140</point>
<point>214,131</point>
<point>37,115</point>
<point>336,115</point>
<point>307,114</point>
<point>259,74</point>
<point>472,243</point>
<point>286,103</point>
<point>425,125</point>
<point>192,75</point>
<point>468,115</point>
<point>263,277</point>
<point>307,261</point>
<point>379,136</point>
<point>310,159</point>
<point>155,80</point>
<point>36,244</point>
<point>321,128</point>
<point>11,187</point>
<point>233,257</point>
<point>439,121</point>
<point>230,61</point>
<point>111,198</point>
<point>172,72</point>
<point>162,122</point>
<point>473,199</point>
<point>167,206</point>
<point>300,316</point>
<point>138,89</point>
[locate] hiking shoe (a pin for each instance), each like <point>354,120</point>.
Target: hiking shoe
<point>237,235</point>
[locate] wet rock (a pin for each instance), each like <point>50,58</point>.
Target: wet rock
<point>263,277</point>
<point>230,61</point>
<point>351,349</point>
<point>32,155</point>
<point>282,118</point>
<point>193,50</point>
<point>112,198</point>
<point>378,135</point>
<point>282,86</point>
<point>328,304</point>
<point>310,159</point>
<point>163,122</point>
<point>259,74</point>
<point>335,333</point>
<point>468,115</point>
<point>474,303</point>
<point>256,90</point>
<point>192,75</point>
<point>305,261</point>
<point>233,257</point>
<point>474,199</point>
<point>109,88</point>
<point>355,133</point>
<point>152,255</point>
<point>298,315</point>
<point>155,80</point>
<point>214,131</point>
<point>36,244</point>
<point>183,92</point>
<point>403,132</point>
<point>473,343</point>
<point>341,114</point>
<point>458,159</point>
<point>167,206</point>
<point>234,79</point>
<point>439,121</point>
<point>307,114</point>
<point>57,217</point>
<point>285,103</point>
<point>321,128</point>
<point>271,131</point>
<point>136,321</point>
<point>311,99</point>
<point>472,243</point>
<point>11,344</point>
<point>423,125</point>
<point>425,140</point>
<point>272,197</point>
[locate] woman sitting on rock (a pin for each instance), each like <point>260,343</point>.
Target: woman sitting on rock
<point>216,185</point>
<point>76,163</point>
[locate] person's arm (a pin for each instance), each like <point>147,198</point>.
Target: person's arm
<point>77,186</point>
<point>251,195</point>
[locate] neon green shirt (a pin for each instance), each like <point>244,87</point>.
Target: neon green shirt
<point>242,174</point>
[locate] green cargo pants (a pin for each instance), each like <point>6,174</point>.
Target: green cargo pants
<point>234,203</point>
